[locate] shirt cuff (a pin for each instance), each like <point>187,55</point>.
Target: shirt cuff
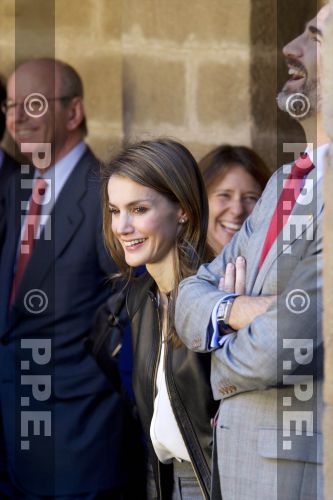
<point>217,340</point>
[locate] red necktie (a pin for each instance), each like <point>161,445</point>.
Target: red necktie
<point>30,234</point>
<point>291,190</point>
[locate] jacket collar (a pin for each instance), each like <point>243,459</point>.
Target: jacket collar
<point>139,289</point>
<point>66,216</point>
<point>306,216</point>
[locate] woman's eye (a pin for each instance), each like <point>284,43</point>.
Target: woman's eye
<point>114,211</point>
<point>225,196</point>
<point>251,199</point>
<point>139,210</point>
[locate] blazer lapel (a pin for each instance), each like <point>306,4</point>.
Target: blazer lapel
<point>19,193</point>
<point>269,202</point>
<point>66,216</point>
<point>302,218</point>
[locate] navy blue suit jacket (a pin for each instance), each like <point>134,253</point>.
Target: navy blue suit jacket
<point>71,441</point>
<point>8,168</point>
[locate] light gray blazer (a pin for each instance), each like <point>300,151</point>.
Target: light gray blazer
<point>252,372</point>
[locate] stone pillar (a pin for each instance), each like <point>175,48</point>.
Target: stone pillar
<point>328,264</point>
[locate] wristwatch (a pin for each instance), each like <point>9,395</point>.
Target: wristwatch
<point>223,312</point>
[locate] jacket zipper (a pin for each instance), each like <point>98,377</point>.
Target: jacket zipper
<point>153,298</point>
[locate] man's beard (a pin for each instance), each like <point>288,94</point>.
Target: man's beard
<point>311,90</point>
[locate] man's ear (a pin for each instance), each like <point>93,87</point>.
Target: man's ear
<point>75,113</point>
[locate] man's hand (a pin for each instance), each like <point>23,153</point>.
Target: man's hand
<point>245,308</point>
<point>234,278</point>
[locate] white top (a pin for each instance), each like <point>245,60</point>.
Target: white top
<point>164,431</point>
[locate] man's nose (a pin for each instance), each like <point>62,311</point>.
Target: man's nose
<point>293,49</point>
<point>19,113</point>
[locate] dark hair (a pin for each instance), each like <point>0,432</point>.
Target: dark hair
<point>217,163</point>
<point>2,116</point>
<point>170,169</point>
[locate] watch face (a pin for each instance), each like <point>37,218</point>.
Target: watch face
<point>221,311</point>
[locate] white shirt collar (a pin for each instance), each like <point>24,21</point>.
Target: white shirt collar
<point>60,171</point>
<point>57,175</point>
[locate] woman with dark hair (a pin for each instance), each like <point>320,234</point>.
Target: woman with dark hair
<point>235,177</point>
<point>156,214</point>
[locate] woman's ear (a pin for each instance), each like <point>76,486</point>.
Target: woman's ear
<point>182,216</point>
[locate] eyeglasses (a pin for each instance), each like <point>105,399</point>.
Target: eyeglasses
<point>8,106</point>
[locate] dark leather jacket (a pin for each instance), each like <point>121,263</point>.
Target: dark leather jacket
<point>188,382</point>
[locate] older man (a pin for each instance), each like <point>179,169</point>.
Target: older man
<point>62,422</point>
<point>265,324</point>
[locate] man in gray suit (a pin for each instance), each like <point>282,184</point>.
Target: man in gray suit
<point>264,325</point>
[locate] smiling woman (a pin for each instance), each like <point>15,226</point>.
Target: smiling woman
<point>144,221</point>
<point>235,177</point>
<point>156,214</point>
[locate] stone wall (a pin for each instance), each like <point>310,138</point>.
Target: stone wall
<point>186,70</point>
<point>86,34</point>
<point>150,67</point>
<point>205,72</point>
